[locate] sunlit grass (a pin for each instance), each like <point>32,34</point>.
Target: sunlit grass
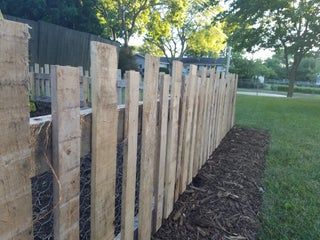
<point>291,207</point>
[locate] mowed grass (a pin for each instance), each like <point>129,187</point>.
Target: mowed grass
<point>291,207</point>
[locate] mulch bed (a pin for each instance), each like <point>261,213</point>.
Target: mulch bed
<point>224,199</point>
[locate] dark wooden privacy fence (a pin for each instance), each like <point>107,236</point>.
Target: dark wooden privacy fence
<point>181,122</point>
<point>54,44</point>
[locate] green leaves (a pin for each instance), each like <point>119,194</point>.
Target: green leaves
<point>180,27</point>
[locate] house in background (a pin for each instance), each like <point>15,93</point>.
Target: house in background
<point>218,63</point>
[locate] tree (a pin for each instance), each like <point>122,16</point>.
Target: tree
<point>249,69</point>
<point>124,18</point>
<point>76,14</point>
<point>292,26</point>
<point>182,27</point>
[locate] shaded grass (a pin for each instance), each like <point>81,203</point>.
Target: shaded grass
<point>291,208</point>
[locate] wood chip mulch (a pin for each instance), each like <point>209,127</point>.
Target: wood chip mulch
<point>224,199</point>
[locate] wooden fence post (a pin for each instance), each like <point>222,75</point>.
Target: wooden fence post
<point>130,155</point>
<point>15,152</point>
<point>149,141</point>
<point>194,128</point>
<point>66,150</point>
<point>205,122</point>
<point>104,139</point>
<point>181,135</point>
<point>161,160</point>
<point>235,86</point>
<point>172,141</point>
<point>199,137</point>
<point>188,128</point>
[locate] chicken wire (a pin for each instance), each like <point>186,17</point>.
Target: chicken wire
<point>42,198</point>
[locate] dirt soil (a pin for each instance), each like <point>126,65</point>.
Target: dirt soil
<point>224,199</point>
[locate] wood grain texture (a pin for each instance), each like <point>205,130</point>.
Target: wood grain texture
<point>194,128</point>
<point>66,150</point>
<point>148,151</point>
<point>15,152</point>
<point>181,134</point>
<point>172,136</point>
<point>130,155</point>
<point>199,135</point>
<point>188,128</point>
<point>104,139</point>
<point>161,161</point>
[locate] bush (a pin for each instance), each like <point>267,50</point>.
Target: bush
<point>249,84</point>
<point>306,90</point>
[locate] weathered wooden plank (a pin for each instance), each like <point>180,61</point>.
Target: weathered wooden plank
<point>194,126</point>
<point>205,123</point>
<point>148,145</point>
<point>234,98</point>
<point>15,153</point>
<point>188,128</point>
<point>37,81</point>
<point>214,114</point>
<point>47,82</point>
<point>199,137</point>
<point>172,138</point>
<point>104,139</point>
<point>211,113</point>
<point>181,134</point>
<point>161,161</point>
<point>130,155</point>
<point>66,150</point>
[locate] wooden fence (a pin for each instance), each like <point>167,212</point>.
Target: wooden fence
<point>181,122</point>
<point>40,85</point>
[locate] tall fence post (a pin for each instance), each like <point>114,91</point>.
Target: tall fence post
<point>194,127</point>
<point>172,141</point>
<point>148,145</point>
<point>130,155</point>
<point>188,128</point>
<point>161,160</point>
<point>104,139</point>
<point>66,150</point>
<point>15,152</point>
<point>200,132</point>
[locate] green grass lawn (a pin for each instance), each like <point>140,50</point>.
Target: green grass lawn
<point>291,208</point>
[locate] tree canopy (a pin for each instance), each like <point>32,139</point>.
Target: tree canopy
<point>124,18</point>
<point>292,26</point>
<point>178,27</point>
<point>78,15</point>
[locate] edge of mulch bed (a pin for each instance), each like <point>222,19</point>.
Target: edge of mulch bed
<point>224,199</point>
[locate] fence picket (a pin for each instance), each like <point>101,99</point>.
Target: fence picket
<point>66,150</point>
<point>130,155</point>
<point>104,139</point>
<point>15,152</point>
<point>161,161</point>
<point>172,138</point>
<point>148,152</point>
<point>188,128</point>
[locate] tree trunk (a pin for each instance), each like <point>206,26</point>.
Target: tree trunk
<point>292,74</point>
<point>291,87</point>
